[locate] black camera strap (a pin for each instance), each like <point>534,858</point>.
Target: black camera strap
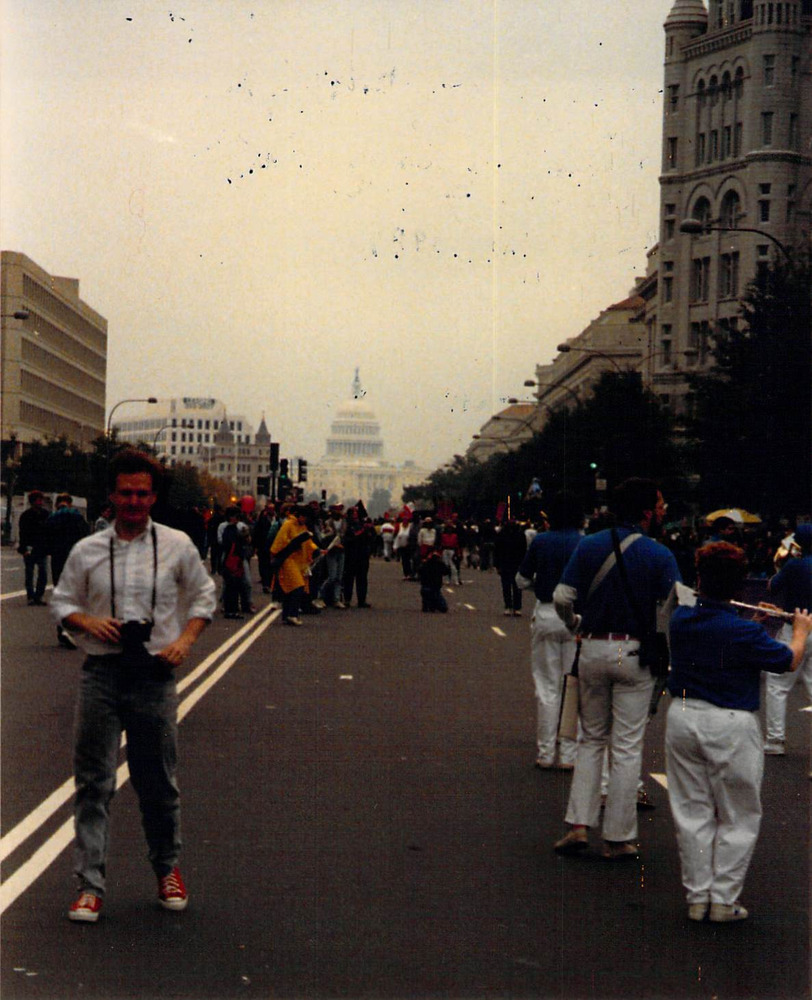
<point>154,573</point>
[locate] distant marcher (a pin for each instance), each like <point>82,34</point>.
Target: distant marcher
<point>387,539</point>
<point>359,540</point>
<point>713,743</point>
<point>292,552</point>
<point>552,645</point>
<point>509,550</point>
<point>232,563</point>
<point>65,527</point>
<point>138,596</point>
<point>33,546</point>
<point>790,588</point>
<point>427,537</point>
<point>452,552</point>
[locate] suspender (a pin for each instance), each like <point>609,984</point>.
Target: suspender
<point>154,574</point>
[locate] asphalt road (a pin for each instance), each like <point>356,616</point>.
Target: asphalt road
<point>362,819</point>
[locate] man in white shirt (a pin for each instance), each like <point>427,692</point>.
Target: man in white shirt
<point>136,596</point>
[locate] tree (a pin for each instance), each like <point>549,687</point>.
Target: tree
<point>750,433</point>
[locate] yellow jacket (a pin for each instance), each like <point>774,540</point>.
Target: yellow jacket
<point>291,575</point>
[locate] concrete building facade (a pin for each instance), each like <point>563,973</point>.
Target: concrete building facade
<point>54,357</point>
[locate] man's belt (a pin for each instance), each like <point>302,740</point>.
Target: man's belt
<point>611,636</point>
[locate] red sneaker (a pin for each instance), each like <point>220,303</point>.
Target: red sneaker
<point>172,893</point>
<point>86,908</point>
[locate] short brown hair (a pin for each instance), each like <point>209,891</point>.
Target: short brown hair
<point>129,462</point>
<point>721,569</point>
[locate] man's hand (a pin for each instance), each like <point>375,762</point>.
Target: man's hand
<point>176,652</point>
<point>103,629</point>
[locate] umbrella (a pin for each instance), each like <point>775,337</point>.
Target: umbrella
<point>736,514</point>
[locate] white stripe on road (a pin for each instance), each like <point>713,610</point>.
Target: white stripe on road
<point>19,593</point>
<point>498,631</point>
<point>21,879</point>
<point>470,607</point>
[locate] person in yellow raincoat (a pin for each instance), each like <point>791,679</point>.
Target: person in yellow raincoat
<point>291,555</point>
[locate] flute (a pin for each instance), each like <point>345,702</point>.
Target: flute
<point>786,615</point>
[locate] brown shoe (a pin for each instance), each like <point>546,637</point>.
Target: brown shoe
<point>619,850</point>
<point>572,843</point>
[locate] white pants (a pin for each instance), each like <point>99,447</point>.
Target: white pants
<point>453,565</point>
<point>714,763</point>
<point>615,693</point>
<point>552,650</point>
<point>778,686</point>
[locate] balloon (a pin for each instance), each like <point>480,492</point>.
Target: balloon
<point>247,504</point>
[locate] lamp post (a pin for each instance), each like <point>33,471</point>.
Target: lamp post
<point>695,227</point>
<point>121,402</point>
<point>531,383</point>
<point>566,348</point>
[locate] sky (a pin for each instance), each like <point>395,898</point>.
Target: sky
<point>262,196</point>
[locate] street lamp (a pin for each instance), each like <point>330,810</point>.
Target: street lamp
<point>695,227</point>
<point>530,384</point>
<point>17,314</point>
<point>566,348</point>
<point>147,399</point>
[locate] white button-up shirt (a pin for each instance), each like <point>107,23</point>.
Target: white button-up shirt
<point>183,588</point>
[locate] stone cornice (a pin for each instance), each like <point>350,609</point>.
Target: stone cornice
<point>717,41</point>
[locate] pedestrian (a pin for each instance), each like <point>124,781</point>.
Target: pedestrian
<point>552,645</point>
<point>452,552</point>
<point>292,551</point>
<point>401,548</point>
<point>359,540</point>
<point>33,546</point>
<point>427,537</point>
<point>487,542</point>
<point>431,572</point>
<point>261,537</point>
<point>331,592</point>
<point>387,538</point>
<point>213,537</point>
<point>509,550</point>
<point>65,527</point>
<point>137,596</point>
<point>105,518</point>
<point>790,588</point>
<point>613,610</point>
<point>232,563</point>
<point>713,743</point>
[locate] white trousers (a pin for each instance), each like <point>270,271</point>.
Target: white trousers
<point>448,559</point>
<point>615,692</point>
<point>714,763</point>
<point>778,686</point>
<point>552,650</point>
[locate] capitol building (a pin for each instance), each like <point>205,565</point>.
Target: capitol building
<point>353,466</point>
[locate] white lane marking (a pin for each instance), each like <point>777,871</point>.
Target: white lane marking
<point>807,709</point>
<point>661,779</point>
<point>470,607</point>
<point>345,677</point>
<point>498,631</point>
<point>25,828</point>
<point>449,590</point>
<point>19,593</point>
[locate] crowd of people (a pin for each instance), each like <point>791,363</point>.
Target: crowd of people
<point>598,584</point>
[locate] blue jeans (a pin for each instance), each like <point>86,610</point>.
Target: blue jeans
<point>331,590</point>
<point>40,564</point>
<point>139,696</point>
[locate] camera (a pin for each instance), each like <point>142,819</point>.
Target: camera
<point>135,634</point>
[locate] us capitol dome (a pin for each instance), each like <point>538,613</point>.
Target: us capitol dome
<point>353,466</point>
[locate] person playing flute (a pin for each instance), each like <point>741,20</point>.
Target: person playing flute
<point>713,743</point>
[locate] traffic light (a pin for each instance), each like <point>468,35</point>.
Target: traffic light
<point>263,486</point>
<point>283,468</point>
<point>274,463</point>
<point>302,475</point>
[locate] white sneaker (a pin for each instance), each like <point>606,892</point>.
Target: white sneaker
<point>722,913</point>
<point>318,603</point>
<point>697,911</point>
<point>340,604</point>
<point>774,748</point>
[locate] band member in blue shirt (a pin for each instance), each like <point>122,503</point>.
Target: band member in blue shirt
<point>714,758</point>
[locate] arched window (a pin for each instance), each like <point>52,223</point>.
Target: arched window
<point>731,210</point>
<point>727,88</point>
<point>701,94</point>
<point>713,90</point>
<point>702,211</point>
<point>738,83</point>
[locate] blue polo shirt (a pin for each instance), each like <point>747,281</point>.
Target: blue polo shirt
<point>791,587</point>
<point>652,571</point>
<point>718,657</point>
<point>546,558</point>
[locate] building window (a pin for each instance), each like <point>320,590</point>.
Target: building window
<point>714,146</point>
<point>790,203</point>
<point>738,134</point>
<point>793,131</point>
<point>766,128</point>
<point>795,65</point>
<point>673,97</point>
<point>668,281</point>
<point>697,342</point>
<point>671,153</point>
<point>727,142</point>
<point>702,211</point>
<point>729,275</point>
<point>764,203</point>
<point>731,209</point>
<point>700,279</point>
<point>700,149</point>
<point>665,345</point>
<point>769,71</point>
<point>738,83</point>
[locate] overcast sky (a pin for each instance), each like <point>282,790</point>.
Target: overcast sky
<point>261,196</point>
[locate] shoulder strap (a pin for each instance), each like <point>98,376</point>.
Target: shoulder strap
<point>621,566</point>
<point>612,558</point>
